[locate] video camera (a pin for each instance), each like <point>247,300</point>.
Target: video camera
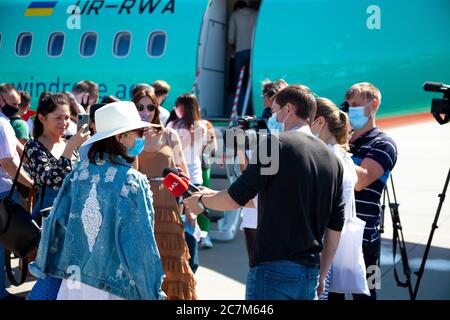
<point>247,131</point>
<point>252,123</point>
<point>440,108</point>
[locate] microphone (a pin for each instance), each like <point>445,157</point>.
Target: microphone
<point>175,171</point>
<point>179,187</point>
<point>436,87</point>
<point>176,186</point>
<point>168,170</point>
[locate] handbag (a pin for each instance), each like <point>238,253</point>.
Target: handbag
<point>18,232</point>
<point>23,266</point>
<point>348,271</point>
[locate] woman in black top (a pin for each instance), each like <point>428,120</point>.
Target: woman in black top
<point>49,159</point>
<point>49,155</point>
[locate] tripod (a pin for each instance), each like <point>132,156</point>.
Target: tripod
<point>399,239</point>
<point>430,238</point>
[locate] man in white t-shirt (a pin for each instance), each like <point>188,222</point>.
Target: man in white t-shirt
<point>9,162</point>
<point>240,37</point>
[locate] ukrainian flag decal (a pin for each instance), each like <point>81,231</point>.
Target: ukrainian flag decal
<point>40,8</point>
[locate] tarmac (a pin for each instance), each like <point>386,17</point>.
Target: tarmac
<point>419,176</point>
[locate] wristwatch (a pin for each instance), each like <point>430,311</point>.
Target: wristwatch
<point>200,202</point>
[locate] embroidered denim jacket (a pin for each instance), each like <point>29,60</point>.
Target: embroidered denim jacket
<point>100,232</point>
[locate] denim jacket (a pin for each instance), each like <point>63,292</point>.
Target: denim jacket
<point>100,232</point>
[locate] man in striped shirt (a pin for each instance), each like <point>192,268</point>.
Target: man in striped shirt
<point>375,155</point>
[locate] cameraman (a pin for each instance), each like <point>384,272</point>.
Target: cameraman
<point>300,206</point>
<point>269,90</point>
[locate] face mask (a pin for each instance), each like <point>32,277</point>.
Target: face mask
<point>9,110</point>
<point>179,113</point>
<point>145,116</point>
<point>274,125</point>
<point>139,144</point>
<point>357,118</point>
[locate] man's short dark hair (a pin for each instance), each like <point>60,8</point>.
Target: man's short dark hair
<point>161,87</point>
<point>301,97</point>
<point>25,99</point>
<point>6,88</point>
<point>271,88</point>
<point>88,87</point>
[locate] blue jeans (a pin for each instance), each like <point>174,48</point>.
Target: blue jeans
<point>193,251</point>
<point>193,248</point>
<point>282,280</point>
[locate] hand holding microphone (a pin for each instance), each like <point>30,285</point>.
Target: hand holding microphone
<point>182,175</point>
<point>178,187</point>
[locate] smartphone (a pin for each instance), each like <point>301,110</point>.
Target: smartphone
<point>82,119</point>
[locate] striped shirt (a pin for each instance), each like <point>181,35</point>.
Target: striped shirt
<point>379,147</point>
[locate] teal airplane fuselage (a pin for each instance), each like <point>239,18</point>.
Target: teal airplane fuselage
<point>325,44</point>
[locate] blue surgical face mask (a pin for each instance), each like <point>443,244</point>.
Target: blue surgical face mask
<point>139,144</point>
<point>357,117</point>
<point>274,125</point>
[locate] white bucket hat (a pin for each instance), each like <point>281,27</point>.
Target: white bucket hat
<point>115,118</point>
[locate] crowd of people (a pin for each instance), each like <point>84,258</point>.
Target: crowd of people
<point>115,227</point>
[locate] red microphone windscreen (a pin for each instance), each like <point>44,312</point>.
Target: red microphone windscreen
<point>175,185</point>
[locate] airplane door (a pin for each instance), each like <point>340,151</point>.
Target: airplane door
<point>329,45</point>
<point>211,59</point>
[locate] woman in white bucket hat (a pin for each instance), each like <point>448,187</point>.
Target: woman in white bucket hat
<point>99,236</point>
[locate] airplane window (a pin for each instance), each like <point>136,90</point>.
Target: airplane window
<point>88,44</point>
<point>156,44</point>
<point>122,42</point>
<point>23,44</point>
<point>55,44</point>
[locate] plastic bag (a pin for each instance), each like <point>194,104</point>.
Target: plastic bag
<point>348,271</point>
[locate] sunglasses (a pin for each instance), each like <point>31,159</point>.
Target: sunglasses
<point>150,107</point>
<point>269,92</point>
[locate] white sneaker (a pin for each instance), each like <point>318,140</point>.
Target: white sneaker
<point>206,243</point>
